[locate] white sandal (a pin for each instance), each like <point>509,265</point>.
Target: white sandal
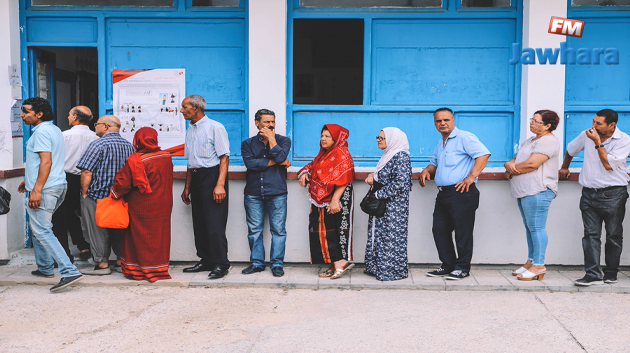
<point>528,276</point>
<point>341,271</point>
<point>519,271</point>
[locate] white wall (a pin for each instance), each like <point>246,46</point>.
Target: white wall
<point>268,61</point>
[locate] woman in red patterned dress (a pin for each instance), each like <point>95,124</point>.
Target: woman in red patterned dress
<point>329,177</point>
<point>146,182</point>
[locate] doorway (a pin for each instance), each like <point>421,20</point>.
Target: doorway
<point>67,77</point>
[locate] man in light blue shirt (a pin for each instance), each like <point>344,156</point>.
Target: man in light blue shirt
<point>458,160</point>
<point>45,181</point>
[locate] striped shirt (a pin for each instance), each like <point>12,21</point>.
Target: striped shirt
<point>206,141</point>
<point>104,158</point>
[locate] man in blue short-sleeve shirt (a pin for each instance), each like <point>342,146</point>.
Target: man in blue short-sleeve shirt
<point>45,181</point>
<point>458,160</point>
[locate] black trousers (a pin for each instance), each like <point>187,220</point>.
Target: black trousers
<point>455,211</point>
<point>608,206</point>
<point>66,218</point>
<point>209,217</point>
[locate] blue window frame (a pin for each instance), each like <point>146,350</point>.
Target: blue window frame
<point>415,61</point>
<point>590,88</point>
<point>209,42</point>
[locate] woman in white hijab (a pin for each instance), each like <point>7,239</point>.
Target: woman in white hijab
<point>386,251</point>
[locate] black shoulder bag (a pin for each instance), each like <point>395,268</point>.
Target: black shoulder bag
<point>5,199</point>
<point>371,205</point>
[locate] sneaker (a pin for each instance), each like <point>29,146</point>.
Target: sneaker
<point>610,280</point>
<point>438,273</point>
<point>457,275</point>
<point>65,281</point>
<point>40,274</point>
<point>588,281</point>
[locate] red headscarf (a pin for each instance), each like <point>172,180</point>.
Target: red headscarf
<point>332,167</point>
<point>144,141</point>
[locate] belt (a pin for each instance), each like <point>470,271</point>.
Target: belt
<point>604,189</point>
<point>446,188</point>
<point>195,170</point>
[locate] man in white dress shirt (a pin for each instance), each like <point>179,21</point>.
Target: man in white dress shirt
<point>604,179</point>
<point>66,218</point>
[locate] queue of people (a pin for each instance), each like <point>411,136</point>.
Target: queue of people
<point>142,174</point>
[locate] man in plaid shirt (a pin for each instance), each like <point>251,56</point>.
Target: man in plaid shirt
<point>99,164</point>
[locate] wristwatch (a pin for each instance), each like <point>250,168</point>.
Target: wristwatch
<point>598,146</point>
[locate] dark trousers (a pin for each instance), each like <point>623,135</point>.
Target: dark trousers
<point>455,211</point>
<point>608,206</point>
<point>66,217</point>
<point>209,217</point>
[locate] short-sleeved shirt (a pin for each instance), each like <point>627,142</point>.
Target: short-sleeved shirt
<point>263,180</point>
<point>104,158</point>
<point>206,141</point>
<point>455,159</point>
<point>76,141</point>
<point>544,177</point>
<point>594,174</point>
<point>46,138</point>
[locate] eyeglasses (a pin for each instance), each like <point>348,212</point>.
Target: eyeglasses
<point>537,122</point>
<point>99,124</point>
<point>378,138</point>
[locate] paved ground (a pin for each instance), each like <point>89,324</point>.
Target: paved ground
<point>305,277</point>
<point>252,319</point>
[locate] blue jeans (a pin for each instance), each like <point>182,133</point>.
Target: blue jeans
<point>534,210</point>
<point>46,245</point>
<point>276,207</point>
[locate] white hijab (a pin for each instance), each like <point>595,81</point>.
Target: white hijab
<point>396,141</point>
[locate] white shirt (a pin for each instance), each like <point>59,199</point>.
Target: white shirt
<point>206,141</point>
<point>76,141</point>
<point>593,174</point>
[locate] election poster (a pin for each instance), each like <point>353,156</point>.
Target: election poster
<point>153,98</point>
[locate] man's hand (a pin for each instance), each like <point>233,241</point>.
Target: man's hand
<point>564,173</point>
<point>304,179</point>
<point>286,163</point>
<point>370,179</point>
<point>219,193</point>
<point>334,207</point>
<point>510,167</point>
<point>34,199</point>
<point>268,134</point>
<point>464,185</point>
<point>22,187</point>
<point>424,176</point>
<point>593,135</point>
<point>186,196</point>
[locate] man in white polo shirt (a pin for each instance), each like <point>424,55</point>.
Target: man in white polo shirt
<point>604,179</point>
<point>66,218</point>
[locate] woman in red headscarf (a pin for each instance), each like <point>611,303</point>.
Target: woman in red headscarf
<point>146,182</point>
<point>329,177</point>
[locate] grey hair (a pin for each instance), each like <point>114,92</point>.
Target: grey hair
<point>197,101</point>
<point>83,117</point>
<point>111,122</point>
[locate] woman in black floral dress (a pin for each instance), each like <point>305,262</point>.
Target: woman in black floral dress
<point>386,251</point>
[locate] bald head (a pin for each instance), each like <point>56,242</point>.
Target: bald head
<point>107,123</point>
<point>80,115</point>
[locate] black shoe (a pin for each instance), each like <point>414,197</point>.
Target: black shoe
<point>588,281</point>
<point>65,281</point>
<point>218,272</point>
<point>457,275</point>
<point>84,256</point>
<point>198,268</point>
<point>610,279</point>
<point>39,274</point>
<point>252,269</point>
<point>277,271</point>
<point>438,273</point>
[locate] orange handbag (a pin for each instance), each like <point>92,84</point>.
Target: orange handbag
<point>112,213</point>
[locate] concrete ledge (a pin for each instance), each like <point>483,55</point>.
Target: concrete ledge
<point>307,277</point>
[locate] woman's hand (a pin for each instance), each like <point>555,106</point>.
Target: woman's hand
<point>370,179</point>
<point>510,167</point>
<point>334,206</point>
<point>304,179</point>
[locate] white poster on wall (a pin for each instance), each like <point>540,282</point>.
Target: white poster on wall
<point>151,98</point>
<point>16,118</point>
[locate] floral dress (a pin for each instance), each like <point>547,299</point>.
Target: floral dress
<point>386,251</point>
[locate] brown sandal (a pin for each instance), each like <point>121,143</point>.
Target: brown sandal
<point>327,273</point>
